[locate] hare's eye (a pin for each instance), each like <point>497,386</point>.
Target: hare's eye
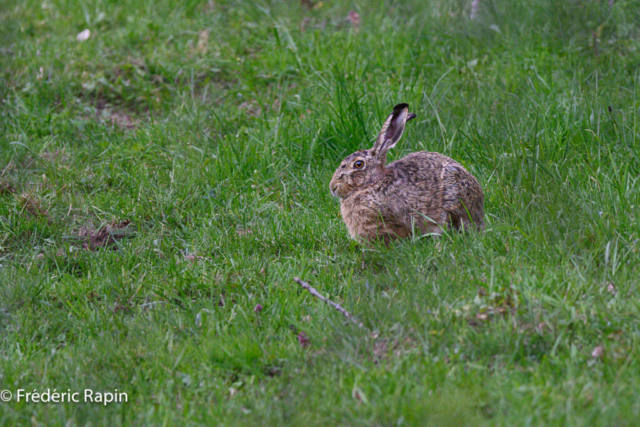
<point>359,164</point>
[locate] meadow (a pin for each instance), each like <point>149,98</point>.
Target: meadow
<point>163,180</point>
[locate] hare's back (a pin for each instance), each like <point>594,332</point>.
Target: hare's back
<point>432,175</point>
<point>423,165</point>
<point>440,187</point>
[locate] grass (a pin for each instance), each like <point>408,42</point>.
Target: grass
<point>161,179</point>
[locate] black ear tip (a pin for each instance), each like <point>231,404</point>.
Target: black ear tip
<point>411,116</point>
<point>400,107</point>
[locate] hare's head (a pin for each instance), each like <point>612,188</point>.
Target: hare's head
<point>367,166</point>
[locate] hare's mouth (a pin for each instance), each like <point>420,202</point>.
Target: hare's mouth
<point>334,188</point>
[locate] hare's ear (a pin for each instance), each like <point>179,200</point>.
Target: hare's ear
<point>391,131</point>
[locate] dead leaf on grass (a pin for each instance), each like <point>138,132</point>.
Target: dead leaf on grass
<point>203,41</point>
<point>304,340</point>
<point>598,352</point>
<point>357,394</point>
<point>611,289</point>
<point>83,35</point>
<point>354,19</point>
<point>482,316</point>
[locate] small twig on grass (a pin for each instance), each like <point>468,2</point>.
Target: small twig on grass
<point>335,305</point>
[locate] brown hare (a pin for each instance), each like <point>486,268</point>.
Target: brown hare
<point>421,193</point>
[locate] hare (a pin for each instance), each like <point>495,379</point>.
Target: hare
<point>421,193</point>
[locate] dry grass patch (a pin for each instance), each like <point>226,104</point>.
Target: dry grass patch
<point>31,204</point>
<point>105,236</point>
<point>6,188</point>
<point>116,117</point>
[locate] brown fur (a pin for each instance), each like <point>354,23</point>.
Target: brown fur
<point>421,193</point>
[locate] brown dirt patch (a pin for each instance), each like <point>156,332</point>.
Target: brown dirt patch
<point>6,188</point>
<point>116,117</point>
<point>380,349</point>
<point>31,204</point>
<point>105,236</point>
<point>251,108</point>
<point>244,231</point>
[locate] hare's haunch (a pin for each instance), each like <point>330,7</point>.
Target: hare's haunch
<point>421,193</point>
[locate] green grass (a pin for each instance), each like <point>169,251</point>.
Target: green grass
<point>214,129</point>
